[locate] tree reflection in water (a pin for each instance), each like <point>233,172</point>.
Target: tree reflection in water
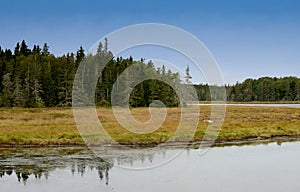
<point>40,162</point>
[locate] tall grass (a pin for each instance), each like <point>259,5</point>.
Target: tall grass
<point>56,126</point>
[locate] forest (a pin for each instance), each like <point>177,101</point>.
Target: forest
<point>37,78</point>
<point>264,89</point>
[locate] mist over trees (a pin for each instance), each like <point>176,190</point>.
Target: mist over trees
<point>37,78</point>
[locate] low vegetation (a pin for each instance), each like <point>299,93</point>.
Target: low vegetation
<point>56,126</point>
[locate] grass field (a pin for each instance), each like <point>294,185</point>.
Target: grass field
<point>56,126</point>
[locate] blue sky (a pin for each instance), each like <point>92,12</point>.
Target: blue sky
<point>248,38</point>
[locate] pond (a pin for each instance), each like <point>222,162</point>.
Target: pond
<point>261,167</point>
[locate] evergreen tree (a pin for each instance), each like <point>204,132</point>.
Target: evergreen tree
<point>17,49</point>
<point>150,64</point>
<point>100,49</point>
<point>36,49</point>
<point>105,45</point>
<point>45,50</point>
<point>7,96</point>
<point>24,49</point>
<point>79,56</point>
<point>18,93</point>
<point>187,75</point>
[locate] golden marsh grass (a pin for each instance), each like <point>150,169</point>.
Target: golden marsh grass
<point>56,126</point>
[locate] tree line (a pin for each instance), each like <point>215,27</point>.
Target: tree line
<point>37,78</point>
<point>263,89</point>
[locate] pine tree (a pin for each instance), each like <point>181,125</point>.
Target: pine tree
<point>7,90</point>
<point>24,49</point>
<point>100,49</point>
<point>187,75</point>
<point>28,88</point>
<point>36,49</point>
<point>79,56</point>
<point>105,45</point>
<point>150,64</point>
<point>17,49</point>
<point>37,90</point>
<point>45,50</point>
<point>18,93</point>
<point>48,85</point>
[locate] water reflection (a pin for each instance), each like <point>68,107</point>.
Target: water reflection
<point>40,162</point>
<point>262,167</point>
<point>28,164</point>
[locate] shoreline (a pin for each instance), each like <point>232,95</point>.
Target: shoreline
<point>191,145</point>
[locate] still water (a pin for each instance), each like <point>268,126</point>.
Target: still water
<point>264,167</point>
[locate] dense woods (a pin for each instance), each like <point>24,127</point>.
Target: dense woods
<point>262,89</point>
<point>266,89</point>
<point>36,78</point>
